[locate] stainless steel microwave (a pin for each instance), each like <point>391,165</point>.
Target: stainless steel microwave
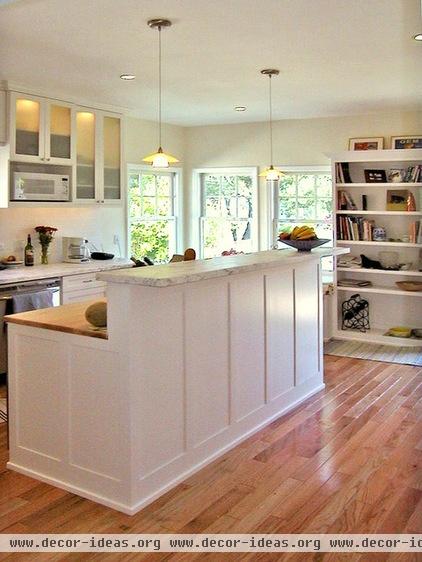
<point>34,186</point>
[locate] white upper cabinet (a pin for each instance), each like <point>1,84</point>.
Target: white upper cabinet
<point>60,130</point>
<point>48,131</point>
<point>111,157</point>
<point>86,184</point>
<point>27,115</point>
<point>98,157</point>
<point>41,130</point>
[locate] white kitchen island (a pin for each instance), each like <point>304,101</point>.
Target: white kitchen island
<point>197,356</point>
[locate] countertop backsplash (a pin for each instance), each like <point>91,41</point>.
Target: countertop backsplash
<point>96,224</point>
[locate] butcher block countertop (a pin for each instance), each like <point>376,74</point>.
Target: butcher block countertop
<point>68,318</point>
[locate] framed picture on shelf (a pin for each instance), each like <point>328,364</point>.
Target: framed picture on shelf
<point>375,176</point>
<point>414,141</point>
<point>375,143</point>
<point>397,199</point>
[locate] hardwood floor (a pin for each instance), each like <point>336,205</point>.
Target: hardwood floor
<point>349,460</point>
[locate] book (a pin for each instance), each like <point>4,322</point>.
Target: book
<point>413,174</point>
<point>339,173</point>
<point>350,203</point>
<point>346,172</point>
<point>415,235</point>
<point>354,228</point>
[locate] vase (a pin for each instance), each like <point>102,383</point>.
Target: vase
<point>44,255</point>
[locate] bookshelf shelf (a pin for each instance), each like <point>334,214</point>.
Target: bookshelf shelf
<point>386,213</point>
<point>380,271</point>
<point>375,243</point>
<point>392,185</point>
<point>381,291</point>
<point>388,305</point>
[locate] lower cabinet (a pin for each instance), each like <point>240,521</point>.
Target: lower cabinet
<point>79,288</point>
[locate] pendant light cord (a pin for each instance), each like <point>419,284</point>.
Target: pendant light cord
<point>159,86</point>
<point>271,123</point>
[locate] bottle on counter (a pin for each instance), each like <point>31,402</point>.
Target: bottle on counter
<point>29,252</point>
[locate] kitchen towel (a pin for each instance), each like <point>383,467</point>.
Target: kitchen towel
<point>32,301</point>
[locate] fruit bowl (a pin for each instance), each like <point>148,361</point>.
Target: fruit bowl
<point>305,245</point>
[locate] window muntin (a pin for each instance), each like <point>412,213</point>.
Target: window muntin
<point>228,213</point>
<point>152,214</point>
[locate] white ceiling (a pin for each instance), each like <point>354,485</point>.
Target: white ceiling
<point>336,57</point>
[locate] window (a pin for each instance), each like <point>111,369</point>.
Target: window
<point>152,213</point>
<point>305,196</point>
<point>228,214</point>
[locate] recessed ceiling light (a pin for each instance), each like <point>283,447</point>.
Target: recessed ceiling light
<point>240,108</point>
<point>418,37</point>
<point>127,77</point>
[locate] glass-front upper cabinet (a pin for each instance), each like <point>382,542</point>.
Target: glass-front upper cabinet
<point>41,130</point>
<point>59,132</point>
<point>27,128</point>
<point>98,157</point>
<point>85,155</point>
<point>111,159</point>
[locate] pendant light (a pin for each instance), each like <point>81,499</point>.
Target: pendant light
<point>159,159</point>
<point>271,173</point>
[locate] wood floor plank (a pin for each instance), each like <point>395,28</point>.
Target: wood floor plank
<point>347,460</point>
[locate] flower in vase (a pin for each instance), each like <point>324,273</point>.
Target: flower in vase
<point>45,236</point>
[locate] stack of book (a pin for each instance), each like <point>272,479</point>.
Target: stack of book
<point>413,174</point>
<point>354,228</point>
<point>345,201</point>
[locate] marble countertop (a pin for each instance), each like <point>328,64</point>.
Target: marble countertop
<point>192,271</point>
<point>22,273</point>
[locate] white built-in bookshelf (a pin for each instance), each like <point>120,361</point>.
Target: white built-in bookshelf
<point>389,305</point>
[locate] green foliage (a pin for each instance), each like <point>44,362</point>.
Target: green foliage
<point>227,200</point>
<point>305,197</point>
<point>150,238</point>
<point>150,202</point>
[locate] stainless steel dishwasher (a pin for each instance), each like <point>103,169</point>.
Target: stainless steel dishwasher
<point>6,296</point>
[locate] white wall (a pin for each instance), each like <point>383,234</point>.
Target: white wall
<point>296,142</point>
<point>302,142</point>
<point>97,224</point>
<point>141,139</point>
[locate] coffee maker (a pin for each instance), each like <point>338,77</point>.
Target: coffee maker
<point>75,250</point>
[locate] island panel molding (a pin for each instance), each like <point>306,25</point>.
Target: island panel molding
<point>280,338</point>
<point>187,372</point>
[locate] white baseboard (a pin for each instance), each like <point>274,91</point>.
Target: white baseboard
<point>70,488</point>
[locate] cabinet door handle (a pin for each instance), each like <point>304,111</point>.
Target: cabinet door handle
<point>102,201</point>
<point>87,281</point>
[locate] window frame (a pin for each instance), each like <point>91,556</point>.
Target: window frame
<point>274,202</point>
<point>199,207</point>
<point>177,187</point>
